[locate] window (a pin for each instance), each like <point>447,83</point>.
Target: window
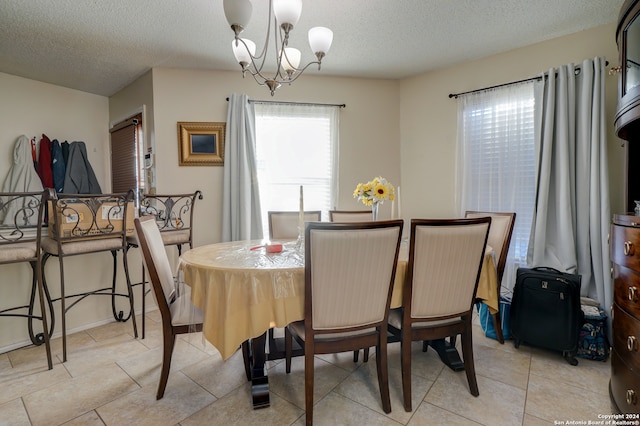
<point>497,160</point>
<point>127,149</point>
<point>296,145</point>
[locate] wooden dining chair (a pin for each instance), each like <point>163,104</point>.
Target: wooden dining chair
<point>283,225</point>
<point>445,261</point>
<point>21,222</point>
<point>350,216</point>
<point>349,275</point>
<point>179,315</point>
<point>499,239</point>
<point>174,216</point>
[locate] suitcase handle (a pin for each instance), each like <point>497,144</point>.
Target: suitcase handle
<point>546,268</point>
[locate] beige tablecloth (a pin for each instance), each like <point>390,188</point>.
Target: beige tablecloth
<point>244,292</point>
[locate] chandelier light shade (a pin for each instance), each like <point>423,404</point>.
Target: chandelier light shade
<point>243,50</point>
<point>285,15</point>
<point>238,14</point>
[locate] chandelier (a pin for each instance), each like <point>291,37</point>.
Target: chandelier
<point>285,16</point>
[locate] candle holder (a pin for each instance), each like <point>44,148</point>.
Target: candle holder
<point>300,239</point>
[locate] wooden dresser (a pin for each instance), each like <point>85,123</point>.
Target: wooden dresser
<point>624,386</point>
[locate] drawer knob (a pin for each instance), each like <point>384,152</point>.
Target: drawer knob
<point>633,294</point>
<point>628,248</point>
<point>632,343</point>
<point>632,399</point>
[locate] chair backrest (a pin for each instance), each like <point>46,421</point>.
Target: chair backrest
<point>173,212</point>
<point>21,220</point>
<point>349,273</point>
<point>284,224</point>
<point>347,216</point>
<point>81,217</point>
<point>499,236</point>
<point>157,263</point>
<point>445,260</point>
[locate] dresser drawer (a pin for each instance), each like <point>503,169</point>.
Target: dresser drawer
<point>626,289</point>
<point>626,338</point>
<point>625,246</point>
<point>625,387</point>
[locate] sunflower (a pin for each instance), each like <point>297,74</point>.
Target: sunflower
<point>376,190</point>
<point>380,192</point>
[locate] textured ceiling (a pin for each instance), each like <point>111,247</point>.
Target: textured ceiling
<point>101,46</point>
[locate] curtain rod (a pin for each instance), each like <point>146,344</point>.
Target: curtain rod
<point>252,101</point>
<point>455,95</point>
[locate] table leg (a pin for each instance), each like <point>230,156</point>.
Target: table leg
<point>259,379</point>
<point>448,354</point>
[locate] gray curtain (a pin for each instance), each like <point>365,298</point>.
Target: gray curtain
<point>571,220</point>
<point>241,218</point>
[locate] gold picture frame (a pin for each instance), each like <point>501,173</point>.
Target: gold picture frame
<point>201,143</point>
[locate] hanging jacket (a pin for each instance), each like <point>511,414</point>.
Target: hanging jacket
<point>65,151</point>
<point>58,166</point>
<point>44,162</point>
<point>79,176</point>
<point>22,176</point>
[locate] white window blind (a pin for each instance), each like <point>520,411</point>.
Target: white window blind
<point>497,160</point>
<point>296,145</point>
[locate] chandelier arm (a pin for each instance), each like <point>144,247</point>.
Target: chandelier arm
<point>299,71</point>
<point>282,43</point>
<point>260,83</point>
<point>253,60</point>
<point>263,54</point>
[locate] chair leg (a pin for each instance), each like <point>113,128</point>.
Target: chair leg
<point>467,353</point>
<point>405,367</point>
<point>63,309</point>
<point>168,343</point>
<point>308,383</point>
<point>365,355</point>
<point>498,327</point>
<point>129,291</point>
<point>383,373</point>
<point>246,358</point>
<point>37,271</point>
<point>288,349</point>
<point>144,302</point>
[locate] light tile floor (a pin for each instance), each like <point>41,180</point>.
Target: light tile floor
<point>110,378</point>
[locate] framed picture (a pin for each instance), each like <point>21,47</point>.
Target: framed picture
<point>201,144</point>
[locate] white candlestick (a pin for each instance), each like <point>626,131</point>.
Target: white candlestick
<point>301,214</point>
<point>399,205</point>
<point>393,209</point>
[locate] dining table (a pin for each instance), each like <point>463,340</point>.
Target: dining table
<point>245,288</point>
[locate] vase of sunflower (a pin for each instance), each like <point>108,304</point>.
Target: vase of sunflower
<point>374,193</point>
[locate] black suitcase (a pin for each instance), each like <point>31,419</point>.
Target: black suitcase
<point>545,310</point>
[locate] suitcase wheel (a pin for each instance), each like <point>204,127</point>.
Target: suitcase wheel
<point>516,343</point>
<point>570,357</point>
